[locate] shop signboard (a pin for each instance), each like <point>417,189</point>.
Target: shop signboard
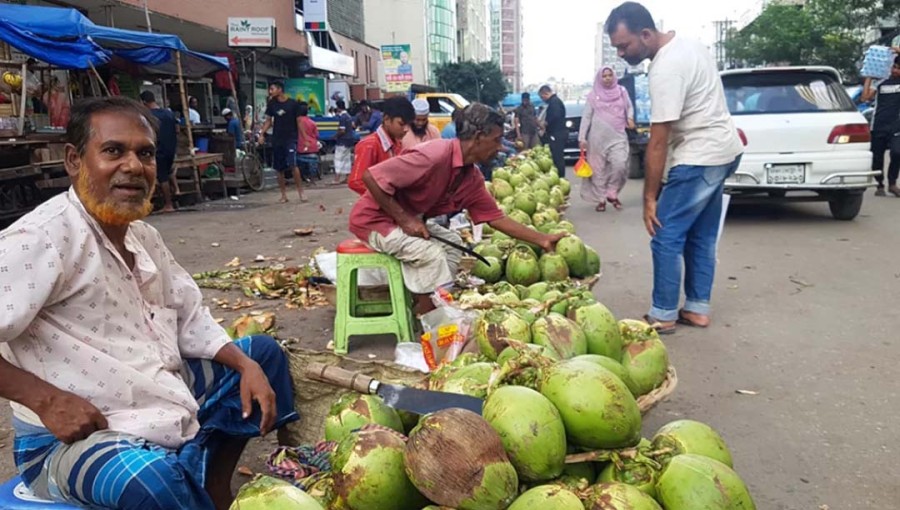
<point>315,15</point>
<point>311,91</point>
<point>398,71</point>
<point>251,32</point>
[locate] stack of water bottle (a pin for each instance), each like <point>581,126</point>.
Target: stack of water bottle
<point>878,62</point>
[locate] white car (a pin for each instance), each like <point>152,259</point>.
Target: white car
<point>804,138</point>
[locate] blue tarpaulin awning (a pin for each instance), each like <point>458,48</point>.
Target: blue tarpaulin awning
<point>66,38</point>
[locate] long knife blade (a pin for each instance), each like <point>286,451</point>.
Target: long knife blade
<point>460,248</point>
<point>425,402</point>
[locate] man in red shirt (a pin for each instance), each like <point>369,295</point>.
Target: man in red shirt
<point>430,180</point>
<point>384,143</point>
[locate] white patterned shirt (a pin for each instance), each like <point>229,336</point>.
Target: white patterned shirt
<point>73,314</point>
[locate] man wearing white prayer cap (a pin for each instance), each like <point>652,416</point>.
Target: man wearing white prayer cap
<point>421,130</point>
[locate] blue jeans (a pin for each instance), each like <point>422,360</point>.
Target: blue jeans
<point>689,208</point>
<point>309,165</point>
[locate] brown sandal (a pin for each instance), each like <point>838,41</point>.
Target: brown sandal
<point>660,328</point>
<point>616,203</point>
<point>683,319</point>
<point>601,207</point>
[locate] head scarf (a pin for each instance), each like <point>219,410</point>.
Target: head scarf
<point>610,103</point>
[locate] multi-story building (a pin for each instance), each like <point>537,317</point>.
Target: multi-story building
<point>509,42</point>
<point>474,30</point>
<point>427,26</point>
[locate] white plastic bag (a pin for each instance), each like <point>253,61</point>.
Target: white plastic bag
<point>409,354</point>
<point>327,263</point>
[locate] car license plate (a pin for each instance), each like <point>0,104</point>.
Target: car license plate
<point>786,174</point>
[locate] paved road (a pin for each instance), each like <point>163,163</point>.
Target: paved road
<point>804,309</point>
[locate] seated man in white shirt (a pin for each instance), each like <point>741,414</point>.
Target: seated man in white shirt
<point>125,391</point>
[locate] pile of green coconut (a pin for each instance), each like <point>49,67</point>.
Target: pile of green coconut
<point>557,432</point>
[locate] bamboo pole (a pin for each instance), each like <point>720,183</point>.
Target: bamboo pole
<point>23,99</point>
<point>100,80</point>
<point>238,114</point>
<point>186,111</point>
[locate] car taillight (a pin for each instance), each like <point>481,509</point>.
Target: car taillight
<point>850,133</point>
<point>743,136</point>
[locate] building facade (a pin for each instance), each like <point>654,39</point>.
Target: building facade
<point>507,39</point>
<point>429,27</point>
<point>474,30</point>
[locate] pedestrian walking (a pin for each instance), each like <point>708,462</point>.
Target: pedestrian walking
<point>525,121</point>
<point>607,113</point>
<point>885,127</point>
<point>166,147</point>
<point>283,116</point>
<point>555,130</point>
<point>694,147</point>
<point>343,143</point>
<point>308,145</point>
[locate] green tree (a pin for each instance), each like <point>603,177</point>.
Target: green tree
<point>821,32</point>
<point>476,81</point>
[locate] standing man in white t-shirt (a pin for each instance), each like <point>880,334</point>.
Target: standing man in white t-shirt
<point>693,148</point>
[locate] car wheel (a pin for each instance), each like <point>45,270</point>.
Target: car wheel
<point>636,165</point>
<point>845,206</point>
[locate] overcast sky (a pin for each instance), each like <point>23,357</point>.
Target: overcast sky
<point>559,34</point>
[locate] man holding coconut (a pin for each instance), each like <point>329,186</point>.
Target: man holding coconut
<point>431,180</point>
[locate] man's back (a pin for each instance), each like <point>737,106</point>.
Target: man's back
<point>167,136</point>
<point>685,89</point>
<point>556,116</point>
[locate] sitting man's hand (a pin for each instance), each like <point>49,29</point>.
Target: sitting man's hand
<point>69,417</point>
<point>255,386</point>
<point>550,240</point>
<point>414,226</point>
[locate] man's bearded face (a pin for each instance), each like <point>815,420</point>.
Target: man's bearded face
<point>116,176</point>
<point>420,125</point>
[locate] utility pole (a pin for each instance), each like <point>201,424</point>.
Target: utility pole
<point>723,30</point>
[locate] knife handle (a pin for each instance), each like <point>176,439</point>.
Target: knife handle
<point>337,376</point>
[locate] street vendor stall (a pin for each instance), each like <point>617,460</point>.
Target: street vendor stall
<point>55,38</point>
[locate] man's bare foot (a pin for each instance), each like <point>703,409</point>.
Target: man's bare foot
<point>284,200</point>
<point>693,319</point>
<point>167,209</point>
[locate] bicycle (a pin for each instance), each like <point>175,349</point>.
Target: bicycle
<point>250,166</point>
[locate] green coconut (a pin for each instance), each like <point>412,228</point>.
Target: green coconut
<point>547,497</point>
<point>525,312</point>
<point>566,225</point>
<point>565,186</point>
<point>593,261</point>
<point>556,200</point>
<point>490,273</point>
<point>553,267</point>
<point>526,203</point>
<point>643,476</point>
<point>511,352</point>
<point>572,250</point>
<point>369,472</point>
<point>600,330</point>
<point>456,459</point>
<point>502,189</point>
<point>695,482</point>
<point>493,328</point>
<point>542,196</point>
<point>613,366</point>
<point>509,204</point>
<point>540,219</point>
<point>537,290</point>
<point>267,493</point>
<point>645,358</point>
<point>529,170</point>
<point>469,380</point>
<point>689,436</point>
<point>516,180</point>
<point>353,411</point>
<point>598,410</point>
<point>487,249</point>
<point>522,267</point>
<point>557,332</point>
<point>501,174</point>
<point>544,163</point>
<point>586,471</point>
<point>507,298</point>
<point>531,430</point>
<point>620,496</point>
<point>520,216</point>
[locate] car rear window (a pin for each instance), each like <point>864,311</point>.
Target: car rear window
<point>785,92</point>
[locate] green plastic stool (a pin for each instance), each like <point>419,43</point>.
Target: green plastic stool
<point>357,317</point>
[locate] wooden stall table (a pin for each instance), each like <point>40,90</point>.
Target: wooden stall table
<point>194,163</point>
